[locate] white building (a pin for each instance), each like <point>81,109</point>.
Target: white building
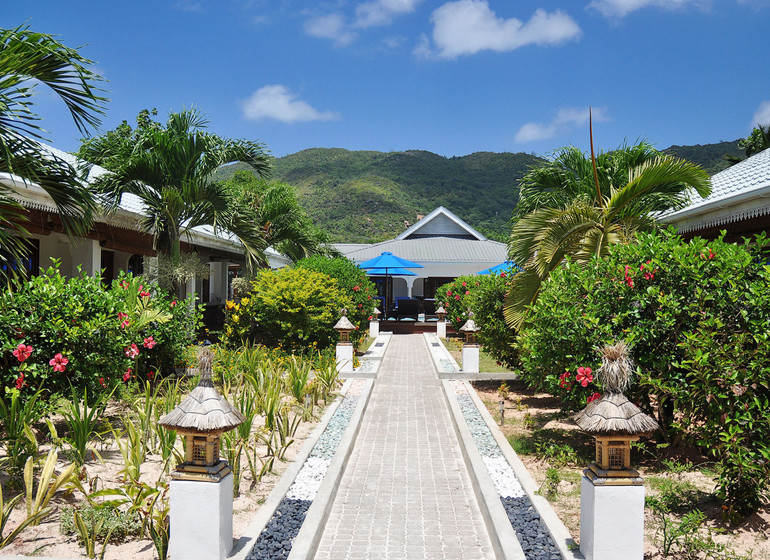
<point>117,242</point>
<point>739,203</point>
<point>445,245</point>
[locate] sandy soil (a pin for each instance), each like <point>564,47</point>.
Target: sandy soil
<point>534,418</point>
<point>47,540</point>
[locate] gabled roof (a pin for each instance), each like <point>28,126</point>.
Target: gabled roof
<point>441,223</point>
<point>737,193</point>
<point>433,249</point>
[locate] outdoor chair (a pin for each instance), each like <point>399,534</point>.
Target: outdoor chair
<point>408,309</point>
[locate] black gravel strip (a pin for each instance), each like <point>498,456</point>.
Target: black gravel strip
<point>533,536</point>
<point>274,542</point>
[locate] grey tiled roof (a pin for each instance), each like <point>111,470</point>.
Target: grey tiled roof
<point>431,249</point>
<point>739,192</point>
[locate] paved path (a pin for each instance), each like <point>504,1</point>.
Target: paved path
<point>406,493</point>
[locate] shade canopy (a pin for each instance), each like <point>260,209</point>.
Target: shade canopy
<point>507,266</point>
<point>388,260</point>
<point>398,271</point>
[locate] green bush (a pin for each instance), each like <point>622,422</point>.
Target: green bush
<point>118,524</point>
<point>81,335</point>
<point>353,282</point>
<point>485,296</point>
<point>695,314</point>
<point>293,309</point>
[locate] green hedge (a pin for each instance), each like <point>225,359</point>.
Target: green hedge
<point>696,315</point>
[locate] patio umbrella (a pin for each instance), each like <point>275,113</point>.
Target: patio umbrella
<point>386,264</point>
<point>507,266</point>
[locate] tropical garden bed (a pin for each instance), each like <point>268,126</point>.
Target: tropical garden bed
<point>680,480</point>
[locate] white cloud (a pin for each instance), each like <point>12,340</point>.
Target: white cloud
<point>566,119</point>
<point>278,103</point>
<point>382,12</point>
<point>621,8</point>
<point>466,27</point>
<point>331,26</point>
<point>762,115</point>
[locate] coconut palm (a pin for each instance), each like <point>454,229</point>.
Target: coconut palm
<point>571,208</point>
<point>170,168</point>
<point>757,141</point>
<point>27,59</point>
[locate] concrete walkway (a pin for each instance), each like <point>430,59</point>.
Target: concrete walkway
<point>406,493</point>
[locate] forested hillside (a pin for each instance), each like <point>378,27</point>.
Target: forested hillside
<point>361,196</point>
<point>367,196</point>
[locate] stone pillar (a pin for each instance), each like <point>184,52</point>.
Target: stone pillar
<point>345,357</point>
<point>201,519</point>
<point>88,254</point>
<point>374,328</point>
<point>611,518</point>
<point>441,329</point>
<point>218,282</point>
<point>470,358</point>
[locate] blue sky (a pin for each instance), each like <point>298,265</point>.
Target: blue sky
<point>451,77</point>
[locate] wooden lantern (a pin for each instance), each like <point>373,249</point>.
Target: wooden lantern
<point>344,327</point>
<point>441,312</point>
<point>470,329</point>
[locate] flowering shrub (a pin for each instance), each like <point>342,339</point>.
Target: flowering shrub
<point>354,283</point>
<point>485,296</point>
<point>294,309</point>
<point>695,314</point>
<point>58,334</point>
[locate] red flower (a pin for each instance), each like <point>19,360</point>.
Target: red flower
<point>102,383</point>
<point>467,292</point>
<point>584,376</point>
<point>463,284</point>
<point>149,342</point>
<point>173,303</point>
<point>360,305</point>
<point>20,381</point>
<point>457,297</point>
<point>370,318</point>
<point>127,375</point>
<point>593,397</point>
<point>356,288</point>
<point>22,352</point>
<point>131,351</point>
<point>448,292</point>
<point>368,297</point>
<point>124,285</point>
<point>150,375</point>
<point>564,381</point>
<point>502,275</point>
<point>59,362</point>
<point>649,275</point>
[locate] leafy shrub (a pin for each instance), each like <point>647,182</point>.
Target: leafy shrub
<point>294,309</point>
<point>119,523</point>
<point>696,316</point>
<point>77,335</point>
<point>354,283</point>
<point>485,296</point>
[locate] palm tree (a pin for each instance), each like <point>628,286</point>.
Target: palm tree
<point>279,219</point>
<point>577,207</point>
<point>28,58</point>
<point>757,141</point>
<point>169,168</point>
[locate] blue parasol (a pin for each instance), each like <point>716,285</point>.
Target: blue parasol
<point>507,266</point>
<point>386,264</point>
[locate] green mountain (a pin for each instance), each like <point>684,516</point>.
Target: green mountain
<point>366,196</point>
<point>709,156</point>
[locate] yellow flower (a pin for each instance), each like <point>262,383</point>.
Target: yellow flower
<point>229,304</point>
<point>245,301</point>
<point>235,318</point>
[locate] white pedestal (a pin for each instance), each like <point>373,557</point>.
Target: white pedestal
<point>611,521</point>
<point>441,329</point>
<point>345,357</point>
<point>201,519</point>
<point>470,358</point>
<point>374,329</point>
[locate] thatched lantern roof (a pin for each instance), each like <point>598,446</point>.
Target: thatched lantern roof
<point>470,329</point>
<point>614,414</point>
<point>204,411</point>
<point>344,327</point>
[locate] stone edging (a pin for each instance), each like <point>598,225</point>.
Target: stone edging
<point>556,528</point>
